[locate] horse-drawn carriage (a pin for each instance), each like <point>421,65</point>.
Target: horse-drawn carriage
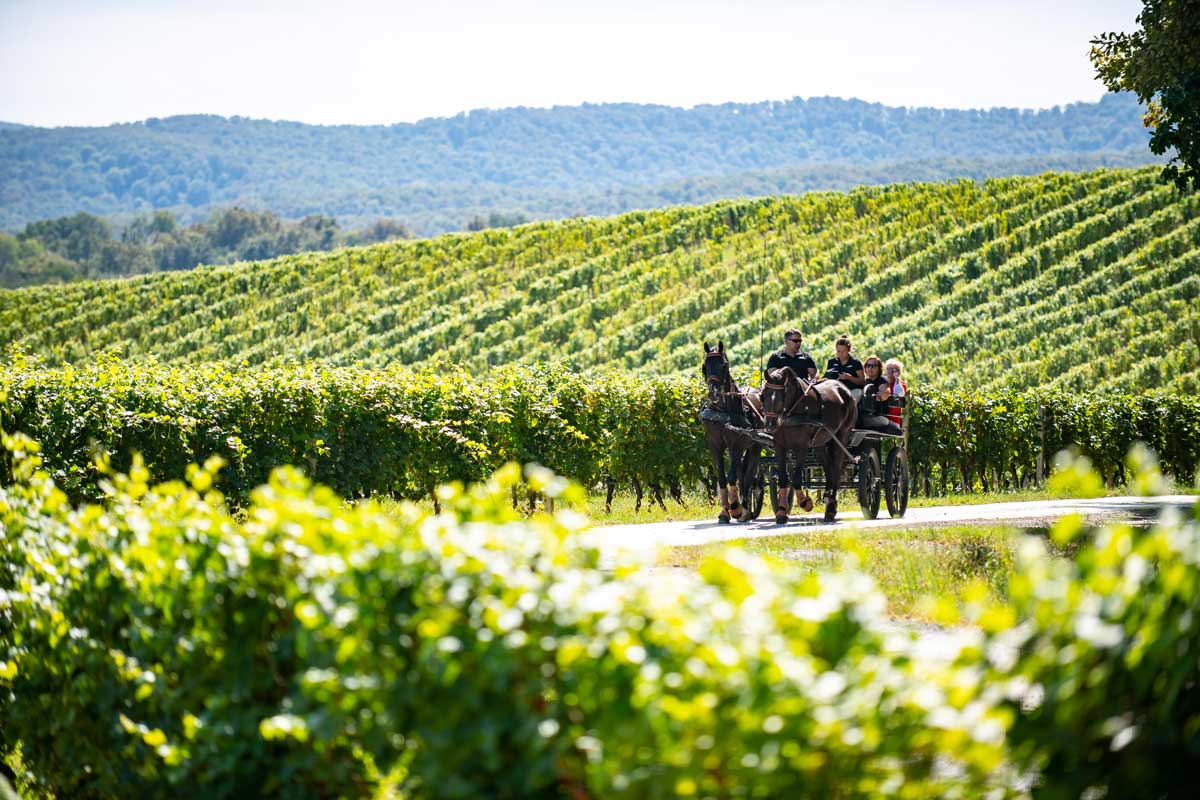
<point>876,467</point>
<point>814,437</point>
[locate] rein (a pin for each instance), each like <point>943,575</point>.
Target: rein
<point>805,388</point>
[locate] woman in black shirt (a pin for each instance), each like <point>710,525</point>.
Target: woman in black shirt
<point>846,368</point>
<point>876,392</point>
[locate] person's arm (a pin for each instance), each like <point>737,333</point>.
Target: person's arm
<point>856,378</point>
<point>772,363</point>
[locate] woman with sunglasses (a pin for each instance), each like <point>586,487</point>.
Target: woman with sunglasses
<point>876,392</point>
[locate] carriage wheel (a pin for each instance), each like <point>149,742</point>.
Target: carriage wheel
<point>896,482</point>
<point>753,499</point>
<point>868,483</point>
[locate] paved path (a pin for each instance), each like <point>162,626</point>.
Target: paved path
<point>651,536</point>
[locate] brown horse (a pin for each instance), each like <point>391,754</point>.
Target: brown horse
<point>727,405</point>
<point>788,398</point>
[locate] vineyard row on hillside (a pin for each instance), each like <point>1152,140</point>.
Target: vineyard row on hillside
<point>401,433</point>
<point>1059,281</point>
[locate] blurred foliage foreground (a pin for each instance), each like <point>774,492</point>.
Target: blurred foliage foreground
<point>152,644</point>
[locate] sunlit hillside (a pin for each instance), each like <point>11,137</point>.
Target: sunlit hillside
<point>1065,280</point>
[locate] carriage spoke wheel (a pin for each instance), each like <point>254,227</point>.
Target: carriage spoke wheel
<point>896,482</point>
<point>869,480</point>
<point>752,496</point>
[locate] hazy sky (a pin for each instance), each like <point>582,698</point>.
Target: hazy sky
<point>93,62</point>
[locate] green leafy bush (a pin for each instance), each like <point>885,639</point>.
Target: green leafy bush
<point>361,432</point>
<point>153,643</point>
<point>1101,673</point>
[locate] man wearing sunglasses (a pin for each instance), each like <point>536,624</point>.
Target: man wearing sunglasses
<point>790,356</point>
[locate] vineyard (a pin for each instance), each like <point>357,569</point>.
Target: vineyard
<point>399,433</point>
<point>1054,282</point>
<point>242,630</point>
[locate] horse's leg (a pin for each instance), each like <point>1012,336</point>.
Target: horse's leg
<point>831,462</point>
<point>718,454</point>
<point>801,496</point>
<point>611,486</point>
<point>749,479</point>
<point>736,458</point>
<point>677,493</point>
<point>783,504</point>
<point>637,494</point>
<point>798,493</point>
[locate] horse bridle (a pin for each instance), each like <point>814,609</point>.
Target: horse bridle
<point>806,386</point>
<point>733,391</point>
<point>727,380</point>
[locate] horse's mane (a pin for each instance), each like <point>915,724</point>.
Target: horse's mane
<point>781,374</point>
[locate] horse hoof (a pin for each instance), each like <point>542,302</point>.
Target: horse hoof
<point>723,519</point>
<point>781,519</point>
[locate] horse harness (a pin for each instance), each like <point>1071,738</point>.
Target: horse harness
<point>727,391</point>
<point>806,420</point>
<point>779,387</point>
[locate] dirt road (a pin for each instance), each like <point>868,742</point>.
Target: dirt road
<point>651,536</point>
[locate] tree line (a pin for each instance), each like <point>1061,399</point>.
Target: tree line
<point>86,246</point>
<point>437,174</point>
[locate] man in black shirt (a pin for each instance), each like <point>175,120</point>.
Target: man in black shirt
<point>790,356</point>
<point>803,365</point>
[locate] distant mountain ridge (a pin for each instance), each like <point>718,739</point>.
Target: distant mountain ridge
<point>519,159</point>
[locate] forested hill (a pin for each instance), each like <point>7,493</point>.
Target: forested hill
<point>1060,280</point>
<point>437,174</point>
